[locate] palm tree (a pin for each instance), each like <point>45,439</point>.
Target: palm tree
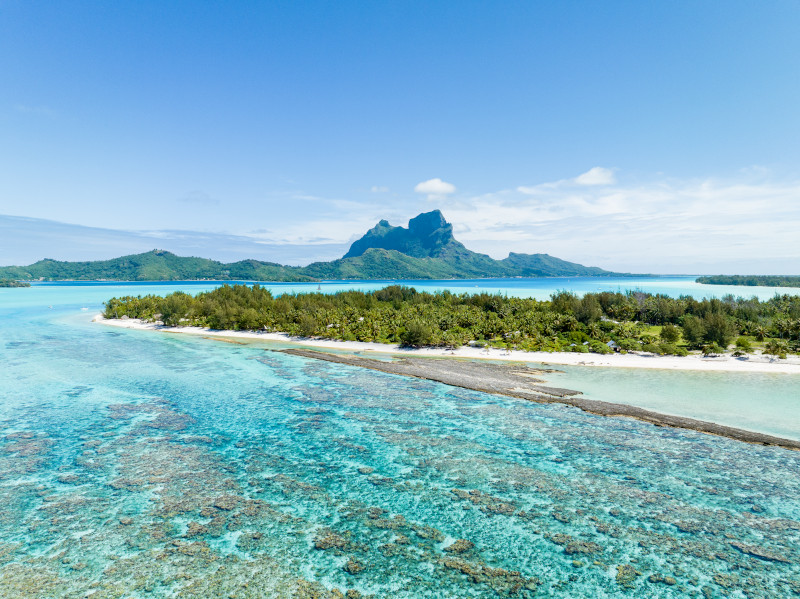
<point>795,328</point>
<point>595,332</point>
<point>783,326</point>
<point>773,347</point>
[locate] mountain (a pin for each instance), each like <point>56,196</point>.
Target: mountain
<point>544,265</point>
<point>428,235</point>
<point>424,250</point>
<point>429,240</point>
<point>155,265</point>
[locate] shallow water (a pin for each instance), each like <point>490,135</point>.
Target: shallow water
<point>763,402</point>
<point>142,465</point>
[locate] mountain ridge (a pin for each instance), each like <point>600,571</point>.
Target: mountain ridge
<point>426,249</point>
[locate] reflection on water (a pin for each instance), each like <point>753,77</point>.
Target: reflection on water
<point>141,465</point>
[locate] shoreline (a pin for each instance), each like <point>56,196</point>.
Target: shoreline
<point>725,363</point>
<point>495,373</point>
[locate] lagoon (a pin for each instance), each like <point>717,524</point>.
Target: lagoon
<point>138,464</point>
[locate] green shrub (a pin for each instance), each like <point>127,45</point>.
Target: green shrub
<point>670,333</point>
<point>712,349</point>
<point>417,334</point>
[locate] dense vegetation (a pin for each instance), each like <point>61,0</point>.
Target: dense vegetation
<point>12,283</point>
<point>426,250</point>
<point>397,314</point>
<point>752,280</point>
<point>155,266</point>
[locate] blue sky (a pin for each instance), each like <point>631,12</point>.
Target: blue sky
<point>655,137</point>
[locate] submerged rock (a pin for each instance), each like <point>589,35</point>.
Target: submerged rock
<point>626,575</point>
<point>573,546</point>
<point>354,566</point>
<point>459,546</point>
<point>226,502</point>
<point>507,582</point>
<point>329,540</point>
<point>194,529</point>
<point>668,580</point>
<point>759,552</point>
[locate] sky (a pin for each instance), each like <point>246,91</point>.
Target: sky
<point>636,136</point>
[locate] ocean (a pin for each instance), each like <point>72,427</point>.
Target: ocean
<point>136,464</point>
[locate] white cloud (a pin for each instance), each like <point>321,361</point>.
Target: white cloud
<point>596,176</point>
<point>379,189</point>
<point>657,224</point>
<point>435,188</point>
<point>663,225</point>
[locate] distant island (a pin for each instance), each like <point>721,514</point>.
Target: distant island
<point>13,283</point>
<point>424,250</point>
<point>751,280</point>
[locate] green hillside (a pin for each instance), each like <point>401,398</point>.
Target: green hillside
<point>424,250</point>
<point>544,265</point>
<point>153,266</point>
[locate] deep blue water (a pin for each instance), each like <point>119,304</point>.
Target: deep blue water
<point>141,465</point>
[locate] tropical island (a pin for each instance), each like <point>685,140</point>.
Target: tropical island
<point>599,323</point>
<point>751,280</point>
<point>426,249</point>
<point>13,283</point>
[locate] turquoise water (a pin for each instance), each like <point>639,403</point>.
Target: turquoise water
<point>142,465</point>
<point>541,288</point>
<point>763,402</point>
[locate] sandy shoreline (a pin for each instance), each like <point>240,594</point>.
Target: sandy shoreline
<point>727,363</point>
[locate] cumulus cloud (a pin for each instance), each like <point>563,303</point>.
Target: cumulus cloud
<point>435,188</point>
<point>379,189</point>
<point>596,176</point>
<point>661,225</point>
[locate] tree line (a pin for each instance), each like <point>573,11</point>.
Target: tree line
<point>751,280</point>
<point>13,283</point>
<point>400,314</point>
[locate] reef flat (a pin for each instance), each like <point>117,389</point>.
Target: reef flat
<point>521,382</point>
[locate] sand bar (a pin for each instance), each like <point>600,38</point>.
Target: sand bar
<point>724,363</point>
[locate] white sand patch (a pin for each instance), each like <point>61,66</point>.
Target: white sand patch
<point>724,363</point>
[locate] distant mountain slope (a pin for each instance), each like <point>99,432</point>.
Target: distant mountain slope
<point>153,266</point>
<point>424,250</point>
<point>544,265</point>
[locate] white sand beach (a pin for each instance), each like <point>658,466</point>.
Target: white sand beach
<point>724,363</point>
